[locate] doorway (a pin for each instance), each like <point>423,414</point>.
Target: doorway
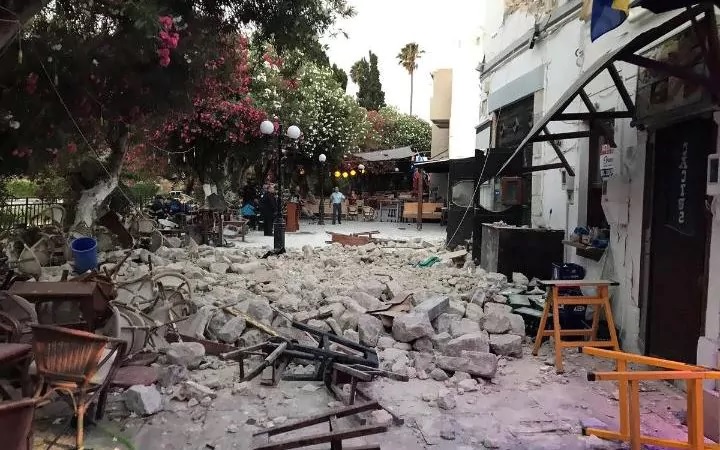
<point>679,224</point>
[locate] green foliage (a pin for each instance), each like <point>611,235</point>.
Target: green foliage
<point>366,75</point>
<point>340,76</point>
<point>52,186</point>
<point>390,128</point>
<point>141,193</point>
<point>21,188</point>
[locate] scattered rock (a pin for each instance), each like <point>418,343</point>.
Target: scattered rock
<point>474,312</point>
<point>366,300</point>
<point>440,341</point>
<point>477,364</point>
<point>469,385</point>
<point>188,354</point>
<point>232,330</point>
<point>496,323</point>
<point>191,389</point>
<point>369,329</point>
<point>433,307</point>
<point>520,279</point>
<point>506,345</point>
<point>351,335</point>
<point>259,309</point>
<point>320,325</point>
<point>446,400</point>
<point>219,267</point>
<point>447,429</point>
<point>143,400</point>
<point>463,326</point>
<point>408,327</point>
<point>438,374</point>
<point>474,342</point>
<point>381,417</point>
<point>171,375</point>
<point>423,345</point>
<point>443,322</point>
<point>517,325</point>
<point>497,308</point>
<point>232,429</point>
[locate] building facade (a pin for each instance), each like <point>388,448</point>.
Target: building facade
<point>649,187</point>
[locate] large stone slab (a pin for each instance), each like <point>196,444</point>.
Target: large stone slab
<point>369,329</point>
<point>408,327</point>
<point>463,326</point>
<point>474,312</point>
<point>443,321</point>
<point>433,306</point>
<point>188,354</point>
<point>479,364</point>
<point>474,342</point>
<point>506,345</point>
<point>517,325</point>
<point>497,323</point>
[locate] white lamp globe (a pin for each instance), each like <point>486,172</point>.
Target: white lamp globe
<point>267,127</point>
<point>293,132</point>
<point>322,158</point>
<point>361,167</point>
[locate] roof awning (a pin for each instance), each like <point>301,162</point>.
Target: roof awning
<point>435,165</point>
<point>387,155</point>
<point>540,131</point>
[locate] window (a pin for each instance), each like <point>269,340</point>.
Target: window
<point>597,187</point>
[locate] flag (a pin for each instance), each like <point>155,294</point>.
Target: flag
<point>606,16</point>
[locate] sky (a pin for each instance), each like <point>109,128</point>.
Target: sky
<point>385,26</point>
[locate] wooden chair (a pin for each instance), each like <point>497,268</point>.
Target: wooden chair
<point>16,421</point>
<point>368,213</point>
<point>78,364</point>
<point>352,212</point>
<point>20,311</point>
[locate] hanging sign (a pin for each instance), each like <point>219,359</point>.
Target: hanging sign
<point>607,162</point>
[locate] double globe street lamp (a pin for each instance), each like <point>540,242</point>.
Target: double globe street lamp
<point>293,132</point>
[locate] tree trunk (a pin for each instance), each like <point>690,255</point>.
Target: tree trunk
<point>93,198</point>
<point>412,89</point>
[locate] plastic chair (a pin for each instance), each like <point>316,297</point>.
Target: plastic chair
<point>78,364</point>
<point>16,421</point>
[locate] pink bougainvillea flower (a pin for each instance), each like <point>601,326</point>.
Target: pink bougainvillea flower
<point>163,52</point>
<point>166,22</point>
<point>72,147</point>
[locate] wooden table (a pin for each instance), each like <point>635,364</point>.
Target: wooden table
<point>92,303</point>
<point>554,301</point>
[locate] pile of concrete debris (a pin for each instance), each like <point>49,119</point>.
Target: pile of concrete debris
<point>424,322</point>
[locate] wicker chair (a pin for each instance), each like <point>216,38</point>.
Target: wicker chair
<point>16,420</point>
<point>78,364</point>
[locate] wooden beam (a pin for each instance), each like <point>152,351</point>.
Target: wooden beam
<point>547,137</point>
<point>620,86</point>
<point>598,115</point>
<point>560,154</point>
<point>675,71</point>
<point>604,129</point>
<point>542,167</point>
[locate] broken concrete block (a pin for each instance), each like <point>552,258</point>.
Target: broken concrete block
<point>423,361</point>
<point>366,300</point>
<point>438,374</point>
<point>520,279</point>
<point>288,302</point>
<point>433,306</point>
<point>408,327</point>
<point>463,326</point>
<point>446,400</point>
<point>457,307</point>
<point>334,326</point>
<point>496,323</point>
<point>232,330</point>
<point>393,289</point>
<point>477,364</point>
<point>246,268</point>
<point>423,345</point>
<point>191,389</point>
<point>143,400</point>
<point>499,298</point>
<point>422,375</point>
<point>404,345</point>
<point>399,367</point>
<point>468,385</point>
<point>348,320</point>
<point>219,267</point>
<point>197,323</point>
<point>474,342</point>
<point>517,325</point>
<point>319,325</point>
<point>172,375</point>
<point>334,309</point>
<point>352,335</point>
<point>447,429</point>
<point>497,307</point>
<point>385,342</point>
<point>252,337</point>
<point>259,309</point>
<point>440,340</point>
<point>478,297</point>
<point>369,329</point>
<point>443,321</point>
<point>188,354</point>
<point>474,312</point>
<point>381,417</point>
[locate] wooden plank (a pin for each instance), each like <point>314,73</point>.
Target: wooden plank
<point>322,438</point>
<point>352,372</point>
<point>320,418</point>
<point>578,283</point>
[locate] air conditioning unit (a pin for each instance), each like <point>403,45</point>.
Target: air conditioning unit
<point>511,191</point>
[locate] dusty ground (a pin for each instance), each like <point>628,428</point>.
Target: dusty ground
<point>525,406</point>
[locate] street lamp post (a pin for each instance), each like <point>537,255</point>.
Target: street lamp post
<point>322,158</point>
<point>268,128</point>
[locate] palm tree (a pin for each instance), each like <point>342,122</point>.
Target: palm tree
<point>407,58</point>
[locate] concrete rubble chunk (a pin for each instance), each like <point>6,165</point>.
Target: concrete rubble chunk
<point>319,325</point>
<point>446,400</point>
<point>367,301</point>
<point>433,306</point>
<point>478,297</point>
<point>247,268</point>
<point>219,267</point>
<point>232,330</point>
<point>499,298</point>
<point>474,312</point>
<point>440,341</point>
<point>172,375</point>
<point>252,337</point>
<point>334,326</point>
<point>463,326</point>
<point>411,326</point>
<point>369,329</point>
<point>424,345</point>
<point>259,309</point>
<point>469,385</point>
<point>478,364</point>
<point>334,309</point>
<point>520,279</point>
<point>197,323</point>
<point>393,289</point>
<point>188,354</point>
<point>381,417</point>
<point>143,400</point>
<point>288,303</point>
<point>371,286</point>
<point>438,374</point>
<point>385,342</point>
<point>457,307</point>
<point>351,335</point>
<point>443,321</point>
<point>447,429</point>
<point>474,342</point>
<point>497,308</point>
<point>517,325</point>
<point>496,322</point>
<point>191,389</point>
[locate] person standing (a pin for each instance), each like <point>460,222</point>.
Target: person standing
<point>268,208</point>
<point>336,198</point>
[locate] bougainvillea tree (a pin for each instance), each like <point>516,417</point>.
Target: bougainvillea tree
<point>87,79</point>
<point>391,129</point>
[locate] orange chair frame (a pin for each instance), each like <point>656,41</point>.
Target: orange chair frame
<point>629,387</point>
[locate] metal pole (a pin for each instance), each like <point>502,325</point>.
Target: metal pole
<point>279,224</point>
<point>420,199</point>
<point>321,221</point>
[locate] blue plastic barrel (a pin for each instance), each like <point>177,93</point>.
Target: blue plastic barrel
<point>84,251</point>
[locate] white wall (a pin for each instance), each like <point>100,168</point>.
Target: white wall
<point>565,54</point>
<point>465,96</point>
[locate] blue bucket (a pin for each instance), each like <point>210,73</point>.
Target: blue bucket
<point>84,251</point>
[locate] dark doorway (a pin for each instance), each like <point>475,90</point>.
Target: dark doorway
<point>679,226</point>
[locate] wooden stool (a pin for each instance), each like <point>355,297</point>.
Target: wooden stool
<point>554,301</point>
